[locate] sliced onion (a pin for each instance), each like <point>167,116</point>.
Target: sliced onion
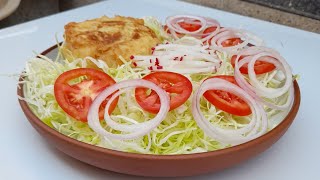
<point>188,58</point>
<point>135,130</point>
<point>251,90</point>
<point>175,46</point>
<point>172,23</point>
<point>283,107</point>
<point>211,23</point>
<point>257,126</point>
<point>264,91</point>
<point>256,89</point>
<point>192,70</point>
<point>225,34</point>
<point>189,41</point>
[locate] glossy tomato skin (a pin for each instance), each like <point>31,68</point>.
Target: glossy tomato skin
<point>178,86</point>
<point>260,67</point>
<point>166,29</point>
<point>190,27</point>
<point>186,26</point>
<point>226,43</point>
<point>207,31</point>
<point>226,101</point>
<point>231,42</point>
<point>75,99</point>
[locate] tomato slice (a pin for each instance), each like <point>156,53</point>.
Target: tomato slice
<point>231,42</point>
<point>178,87</point>
<point>75,99</point>
<point>166,29</point>
<point>187,26</point>
<point>226,101</point>
<point>190,26</point>
<point>226,43</point>
<point>209,30</point>
<point>260,67</point>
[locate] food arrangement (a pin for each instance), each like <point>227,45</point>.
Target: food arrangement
<point>136,85</point>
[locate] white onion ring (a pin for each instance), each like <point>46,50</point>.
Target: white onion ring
<point>251,90</point>
<point>283,107</point>
<point>255,89</point>
<point>211,23</point>
<point>229,33</point>
<point>253,50</point>
<point>240,79</point>
<point>205,22</point>
<point>93,115</point>
<point>172,23</point>
<point>264,91</point>
<point>254,129</point>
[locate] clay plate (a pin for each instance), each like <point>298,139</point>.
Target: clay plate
<point>158,165</point>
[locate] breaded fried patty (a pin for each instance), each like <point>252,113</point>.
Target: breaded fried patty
<point>108,38</point>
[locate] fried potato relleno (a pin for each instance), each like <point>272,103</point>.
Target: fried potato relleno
<point>108,38</point>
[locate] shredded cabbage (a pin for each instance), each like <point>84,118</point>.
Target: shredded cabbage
<point>155,25</point>
<point>177,134</point>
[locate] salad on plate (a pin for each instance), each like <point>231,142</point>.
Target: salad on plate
<point>189,85</point>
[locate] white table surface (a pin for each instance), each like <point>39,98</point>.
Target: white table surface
<point>26,155</point>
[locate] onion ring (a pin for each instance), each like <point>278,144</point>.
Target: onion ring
<point>135,132</point>
<point>257,126</point>
<point>255,89</point>
<point>229,33</point>
<point>172,23</point>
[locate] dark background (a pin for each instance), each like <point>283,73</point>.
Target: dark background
<point>303,14</point>
<point>309,8</point>
<point>33,9</point>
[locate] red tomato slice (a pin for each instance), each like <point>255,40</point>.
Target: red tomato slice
<point>231,42</point>
<point>166,29</point>
<point>260,67</point>
<point>178,86</point>
<point>207,31</point>
<point>186,26</point>
<point>190,27</point>
<point>226,43</point>
<point>226,101</point>
<point>75,99</point>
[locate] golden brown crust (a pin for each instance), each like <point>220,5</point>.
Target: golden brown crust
<point>108,38</point>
